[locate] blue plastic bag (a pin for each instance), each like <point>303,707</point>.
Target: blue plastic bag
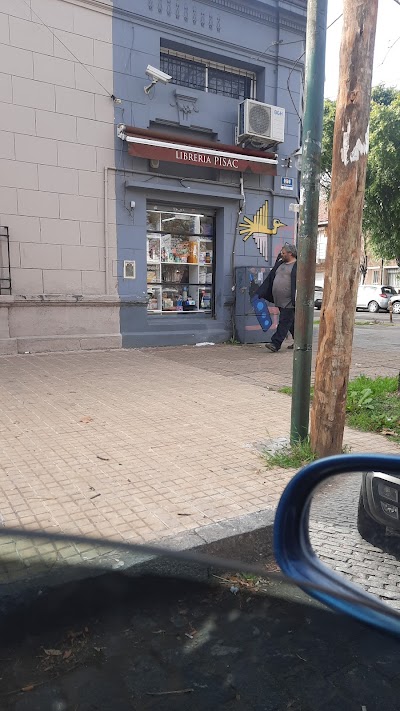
<point>261,310</point>
<point>260,306</point>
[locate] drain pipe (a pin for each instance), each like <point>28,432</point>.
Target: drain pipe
<point>239,214</point>
<point>106,236</point>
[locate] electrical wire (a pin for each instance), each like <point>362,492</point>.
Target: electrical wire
<point>281,43</point>
<point>110,94</point>
<point>107,93</point>
<point>393,44</point>
<point>119,166</point>
<point>288,83</point>
<point>389,48</point>
<point>332,23</point>
<point>296,63</point>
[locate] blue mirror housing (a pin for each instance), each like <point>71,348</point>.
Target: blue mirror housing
<point>293,550</point>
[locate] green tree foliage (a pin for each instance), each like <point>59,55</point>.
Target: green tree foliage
<point>382,197</point>
<point>327,145</point>
<point>381,223</point>
<point>384,95</point>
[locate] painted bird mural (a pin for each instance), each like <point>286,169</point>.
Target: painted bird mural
<point>258,228</point>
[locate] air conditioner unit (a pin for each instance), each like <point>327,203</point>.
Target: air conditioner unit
<point>261,122</point>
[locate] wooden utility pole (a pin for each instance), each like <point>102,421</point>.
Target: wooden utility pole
<point>350,151</point>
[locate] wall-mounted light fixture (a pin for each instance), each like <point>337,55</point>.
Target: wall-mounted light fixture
<point>298,158</point>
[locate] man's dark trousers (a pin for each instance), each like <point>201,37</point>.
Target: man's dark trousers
<point>285,324</point>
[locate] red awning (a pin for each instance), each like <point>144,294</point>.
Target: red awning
<point>146,144</point>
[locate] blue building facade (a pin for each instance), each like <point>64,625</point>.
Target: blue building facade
<point>185,193</point>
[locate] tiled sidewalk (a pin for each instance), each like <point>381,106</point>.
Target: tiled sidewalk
<point>139,445</point>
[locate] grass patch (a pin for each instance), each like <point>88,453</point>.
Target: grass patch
<point>286,390</point>
<point>373,405</point>
<point>291,457</point>
<point>378,386</point>
<point>233,342</point>
<point>294,456</point>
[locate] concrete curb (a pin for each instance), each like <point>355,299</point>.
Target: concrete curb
<point>247,538</point>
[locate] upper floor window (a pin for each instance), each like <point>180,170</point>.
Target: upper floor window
<point>393,277</point>
<point>376,276</point>
<point>205,75</point>
<point>322,242</point>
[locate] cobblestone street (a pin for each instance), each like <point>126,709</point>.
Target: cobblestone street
<point>336,541</point>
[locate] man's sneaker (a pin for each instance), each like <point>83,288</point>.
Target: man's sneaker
<point>271,347</point>
<point>290,348</point>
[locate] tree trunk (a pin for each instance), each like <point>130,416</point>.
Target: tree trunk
<point>350,148</point>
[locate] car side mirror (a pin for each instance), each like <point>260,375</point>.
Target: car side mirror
<point>337,528</point>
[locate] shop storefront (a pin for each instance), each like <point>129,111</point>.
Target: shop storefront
<point>185,238</point>
<point>180,260</point>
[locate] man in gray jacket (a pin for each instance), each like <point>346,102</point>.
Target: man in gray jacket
<point>279,288</point>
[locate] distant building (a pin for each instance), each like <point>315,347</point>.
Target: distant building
<point>322,241</point>
<point>378,271</point>
<point>120,207</point>
<point>382,272</point>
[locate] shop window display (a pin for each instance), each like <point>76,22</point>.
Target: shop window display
<point>180,260</point>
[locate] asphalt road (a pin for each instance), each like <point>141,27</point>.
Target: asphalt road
<point>165,644</point>
<point>376,348</point>
<point>336,541</point>
<point>364,315</point>
<point>381,316</point>
<point>375,338</point>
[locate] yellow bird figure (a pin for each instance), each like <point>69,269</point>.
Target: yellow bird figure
<point>259,224</point>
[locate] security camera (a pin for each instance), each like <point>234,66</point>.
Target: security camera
<point>155,76</point>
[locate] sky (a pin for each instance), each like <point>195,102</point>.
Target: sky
<point>386,64</point>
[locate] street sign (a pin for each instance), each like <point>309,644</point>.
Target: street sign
<point>286,183</point>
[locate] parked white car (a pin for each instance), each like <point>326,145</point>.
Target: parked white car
<point>395,301</point>
<point>374,297</point>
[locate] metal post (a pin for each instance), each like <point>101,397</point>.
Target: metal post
<point>308,223</point>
